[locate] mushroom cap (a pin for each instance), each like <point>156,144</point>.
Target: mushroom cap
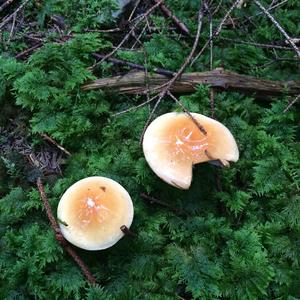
<point>173,143</point>
<point>91,212</point>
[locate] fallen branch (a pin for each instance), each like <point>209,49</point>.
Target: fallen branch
<point>220,79</point>
<point>59,235</point>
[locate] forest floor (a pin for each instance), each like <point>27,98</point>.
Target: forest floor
<point>80,81</point>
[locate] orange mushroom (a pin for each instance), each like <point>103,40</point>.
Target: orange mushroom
<point>92,211</point>
<point>174,142</point>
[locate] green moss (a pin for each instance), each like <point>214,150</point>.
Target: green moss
<point>238,243</point>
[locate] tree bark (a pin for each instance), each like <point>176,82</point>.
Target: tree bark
<point>219,79</point>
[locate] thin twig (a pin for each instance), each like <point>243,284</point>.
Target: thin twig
<point>135,107</point>
<point>162,203</point>
<point>255,44</point>
<point>12,28</point>
<point>211,44</point>
<point>150,118</point>
<point>167,12</point>
<point>217,32</point>
<point>212,102</point>
<point>217,8</point>
<point>249,19</point>
<point>138,38</point>
<point>211,90</point>
<point>28,50</point>
<point>134,9</point>
<point>146,74</point>
<point>50,216</point>
<point>137,21</point>
<point>8,18</point>
<point>49,139</point>
<point>59,235</point>
<point>200,127</point>
<point>111,30</point>
<point>189,57</point>
<point>179,73</point>
<point>133,65</point>
<point>270,8</point>
<point>291,104</point>
<point>5,4</point>
<point>291,42</point>
<point>278,59</point>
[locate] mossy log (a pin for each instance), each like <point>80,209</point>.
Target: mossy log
<point>220,79</point>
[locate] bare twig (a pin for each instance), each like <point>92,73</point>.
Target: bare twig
<point>291,104</point>
<point>212,102</point>
<point>50,216</point>
<point>211,90</point>
<point>111,30</point>
<point>59,235</point>
<point>5,4</point>
<point>271,7</point>
<point>167,12</point>
<point>8,18</point>
<point>12,28</point>
<point>133,65</point>
<point>277,59</point>
<point>217,32</point>
<point>135,107</point>
<point>28,50</point>
<point>162,203</point>
<point>146,73</point>
<point>49,139</point>
<point>200,127</point>
<point>137,3</point>
<point>255,44</point>
<point>249,19</point>
<point>217,7</point>
<point>179,73</point>
<point>266,12</point>
<point>137,21</point>
<point>150,118</point>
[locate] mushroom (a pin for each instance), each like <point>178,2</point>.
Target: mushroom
<point>174,142</point>
<point>92,211</point>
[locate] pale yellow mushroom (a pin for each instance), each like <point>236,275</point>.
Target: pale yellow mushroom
<point>173,143</point>
<point>91,212</point>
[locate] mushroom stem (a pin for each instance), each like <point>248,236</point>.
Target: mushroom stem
<point>127,231</point>
<point>222,162</point>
